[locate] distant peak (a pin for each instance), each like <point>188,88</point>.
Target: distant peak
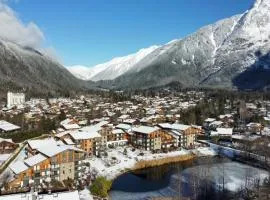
<point>261,4</point>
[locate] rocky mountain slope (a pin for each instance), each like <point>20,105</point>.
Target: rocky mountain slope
<point>232,53</point>
<point>26,69</point>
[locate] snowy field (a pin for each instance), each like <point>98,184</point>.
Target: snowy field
<point>116,162</point>
<point>235,176</point>
<point>85,195</point>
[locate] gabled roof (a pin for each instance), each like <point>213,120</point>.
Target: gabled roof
<point>117,131</point>
<point>179,127</point>
<point>129,121</point>
<point>32,161</point>
<point>18,167</point>
<point>145,129</point>
<point>123,126</point>
<point>83,135</point>
<point>165,125</point>
<point>54,150</point>
<point>70,126</point>
<point>6,126</point>
<point>209,119</point>
<point>68,141</point>
<point>37,144</point>
<point>224,131</point>
<point>6,140</point>
<point>94,128</point>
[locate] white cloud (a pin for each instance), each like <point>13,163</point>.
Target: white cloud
<point>26,34</point>
<point>13,29</point>
<point>51,52</point>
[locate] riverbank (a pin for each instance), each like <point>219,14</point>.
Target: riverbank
<point>119,162</point>
<point>163,161</point>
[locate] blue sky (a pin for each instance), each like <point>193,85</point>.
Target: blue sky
<point>89,32</point>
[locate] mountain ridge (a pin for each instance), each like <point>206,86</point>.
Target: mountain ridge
<point>214,56</point>
<point>111,69</point>
<point>26,69</point>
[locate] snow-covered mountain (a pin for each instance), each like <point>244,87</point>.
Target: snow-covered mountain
<point>83,72</point>
<point>233,52</point>
<point>112,69</point>
<point>26,69</point>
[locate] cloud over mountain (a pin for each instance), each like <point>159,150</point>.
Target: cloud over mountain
<point>25,34</point>
<point>13,29</point>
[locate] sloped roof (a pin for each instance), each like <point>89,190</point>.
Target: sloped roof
<point>32,161</point>
<point>83,135</point>
<point>18,167</point>
<point>6,126</point>
<point>145,129</point>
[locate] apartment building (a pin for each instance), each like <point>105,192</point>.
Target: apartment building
<point>53,162</point>
<point>7,146</point>
<point>90,142</point>
<point>146,137</point>
<point>185,134</point>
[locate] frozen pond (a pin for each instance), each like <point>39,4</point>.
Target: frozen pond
<point>191,179</point>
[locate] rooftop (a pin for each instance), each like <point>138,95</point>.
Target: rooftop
<point>145,129</point>
<point>32,161</point>
<point>18,167</point>
<point>84,135</point>
<point>6,126</point>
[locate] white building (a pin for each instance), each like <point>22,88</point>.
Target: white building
<point>15,99</point>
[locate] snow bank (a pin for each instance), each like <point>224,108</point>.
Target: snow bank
<point>121,162</point>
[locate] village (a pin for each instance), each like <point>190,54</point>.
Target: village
<point>62,145</point>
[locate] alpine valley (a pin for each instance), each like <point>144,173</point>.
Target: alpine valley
<point>231,53</point>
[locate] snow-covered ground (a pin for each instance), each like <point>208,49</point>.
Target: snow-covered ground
<point>116,162</point>
<point>205,151</point>
<point>85,195</point>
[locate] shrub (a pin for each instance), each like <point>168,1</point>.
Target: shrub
<point>101,186</point>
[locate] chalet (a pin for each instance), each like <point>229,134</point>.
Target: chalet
<point>58,162</point>
<point>70,124</point>
<point>207,122</point>
<point>122,118</point>
<point>254,127</point>
<point>7,146</point>
<point>33,146</point>
<point>88,141</point>
<point>223,132</point>
<point>100,142</point>
<point>117,137</point>
<point>215,124</point>
<point>131,121</point>
<point>146,137</point>
<point>186,134</point>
